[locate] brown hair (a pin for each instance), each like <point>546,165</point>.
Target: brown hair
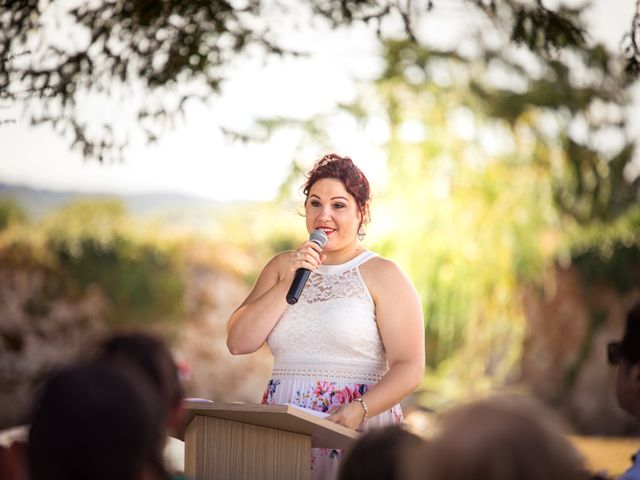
<point>96,421</point>
<point>500,438</point>
<point>343,169</point>
<point>380,453</point>
<point>152,356</point>
<point>631,339</point>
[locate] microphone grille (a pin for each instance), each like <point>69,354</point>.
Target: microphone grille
<point>319,237</point>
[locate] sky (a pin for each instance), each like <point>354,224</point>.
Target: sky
<point>196,159</point>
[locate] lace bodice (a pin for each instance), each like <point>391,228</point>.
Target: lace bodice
<point>332,330</point>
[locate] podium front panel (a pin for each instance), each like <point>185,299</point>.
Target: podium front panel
<point>216,448</point>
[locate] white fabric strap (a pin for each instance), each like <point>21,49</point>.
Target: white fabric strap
<point>363,257</point>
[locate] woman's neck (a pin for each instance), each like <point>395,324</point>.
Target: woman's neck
<point>337,257</point>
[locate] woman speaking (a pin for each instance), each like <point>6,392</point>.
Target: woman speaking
<point>353,345</point>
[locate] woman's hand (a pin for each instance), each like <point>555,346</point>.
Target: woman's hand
<point>349,415</point>
<point>309,255</point>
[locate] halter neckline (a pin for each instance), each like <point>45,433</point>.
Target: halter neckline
<point>343,267</point>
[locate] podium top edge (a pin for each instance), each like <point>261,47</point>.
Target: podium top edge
<point>215,409</point>
<point>235,406</point>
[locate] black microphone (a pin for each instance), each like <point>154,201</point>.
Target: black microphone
<point>302,274</point>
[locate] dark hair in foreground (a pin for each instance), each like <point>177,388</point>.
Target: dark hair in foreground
<point>343,169</point>
<point>95,422</point>
<point>379,454</point>
<point>151,355</point>
<point>630,344</point>
<point>500,438</point>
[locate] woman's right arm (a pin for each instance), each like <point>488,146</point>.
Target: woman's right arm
<point>250,325</point>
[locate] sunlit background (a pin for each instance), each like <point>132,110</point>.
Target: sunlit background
<point>503,184</point>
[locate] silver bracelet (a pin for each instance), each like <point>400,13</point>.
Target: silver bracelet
<point>364,407</point>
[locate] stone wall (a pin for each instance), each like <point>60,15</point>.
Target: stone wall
<point>37,333</point>
<point>564,353</point>
<point>215,374</point>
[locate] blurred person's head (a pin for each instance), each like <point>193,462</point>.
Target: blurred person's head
<point>626,355</point>
<point>380,454</point>
<point>500,438</point>
<point>151,355</point>
<point>96,422</point>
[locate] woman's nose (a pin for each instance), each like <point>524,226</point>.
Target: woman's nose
<point>325,214</point>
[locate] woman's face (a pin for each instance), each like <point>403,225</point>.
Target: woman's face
<point>332,209</point>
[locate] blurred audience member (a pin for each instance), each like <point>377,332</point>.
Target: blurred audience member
<point>96,422</point>
<point>626,355</point>
<point>501,438</point>
<point>380,454</point>
<point>151,355</point>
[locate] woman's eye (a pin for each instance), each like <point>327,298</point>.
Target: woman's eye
<point>338,205</point>
<point>315,203</point>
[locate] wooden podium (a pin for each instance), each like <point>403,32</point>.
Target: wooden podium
<point>249,441</point>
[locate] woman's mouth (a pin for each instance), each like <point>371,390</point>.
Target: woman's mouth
<point>327,230</point>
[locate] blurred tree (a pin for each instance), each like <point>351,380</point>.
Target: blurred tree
<point>496,167</point>
<point>155,55</point>
<point>10,213</point>
<point>502,166</point>
<point>499,164</point>
<point>96,243</point>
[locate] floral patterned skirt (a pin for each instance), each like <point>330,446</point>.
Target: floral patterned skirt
<point>323,396</point>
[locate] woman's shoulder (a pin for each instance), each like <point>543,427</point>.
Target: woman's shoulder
<point>379,269</point>
<point>282,256</point>
<point>278,261</point>
<point>379,264</point>
<point>384,279</point>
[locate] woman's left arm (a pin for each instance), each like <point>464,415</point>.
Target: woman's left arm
<point>401,325</point>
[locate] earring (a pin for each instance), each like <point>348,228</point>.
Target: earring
<point>361,233</point>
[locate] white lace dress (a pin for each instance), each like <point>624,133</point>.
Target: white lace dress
<point>328,351</point>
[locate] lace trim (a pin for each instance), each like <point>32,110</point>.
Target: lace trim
<point>323,288</point>
<point>331,371</point>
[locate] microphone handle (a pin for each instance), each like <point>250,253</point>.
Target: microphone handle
<point>300,279</point>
